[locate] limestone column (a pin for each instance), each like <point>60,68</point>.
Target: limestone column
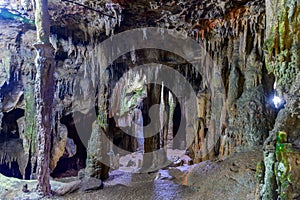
<point>44,91</point>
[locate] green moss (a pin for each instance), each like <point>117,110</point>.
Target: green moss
<point>134,100</point>
<point>260,171</point>
<point>131,97</point>
<point>283,167</point>
<point>281,137</point>
<point>30,119</point>
<point>102,119</point>
<point>281,45</point>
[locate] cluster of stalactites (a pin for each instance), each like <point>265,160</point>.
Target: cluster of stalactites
<point>101,15</point>
<point>221,20</point>
<point>12,151</point>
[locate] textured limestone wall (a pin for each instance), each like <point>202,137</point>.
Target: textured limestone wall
<point>73,73</point>
<point>234,108</point>
<point>282,59</point>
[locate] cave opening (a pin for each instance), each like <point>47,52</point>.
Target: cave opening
<point>153,100</point>
<point>127,139</point>
<point>75,154</point>
<point>12,161</point>
<point>177,117</point>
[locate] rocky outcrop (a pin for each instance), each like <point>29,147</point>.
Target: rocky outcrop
<point>282,59</point>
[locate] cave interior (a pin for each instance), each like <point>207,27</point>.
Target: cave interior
<point>171,99</point>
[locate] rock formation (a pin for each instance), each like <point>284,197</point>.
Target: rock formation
<point>249,53</point>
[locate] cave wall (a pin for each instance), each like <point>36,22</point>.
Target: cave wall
<point>234,100</point>
<point>281,149</point>
<point>75,52</point>
<point>241,113</point>
<point>235,107</point>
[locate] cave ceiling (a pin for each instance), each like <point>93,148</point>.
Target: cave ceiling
<point>186,16</point>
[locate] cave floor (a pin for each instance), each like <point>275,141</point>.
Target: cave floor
<point>231,178</point>
<point>127,186</point>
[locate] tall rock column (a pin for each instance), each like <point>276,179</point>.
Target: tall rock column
<point>44,90</point>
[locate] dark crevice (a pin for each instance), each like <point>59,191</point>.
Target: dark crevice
<point>225,75</point>
<point>10,141</point>
<point>241,82</point>
<point>11,171</point>
<point>70,166</point>
<point>178,118</point>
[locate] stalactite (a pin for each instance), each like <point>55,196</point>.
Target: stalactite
<point>162,116</point>
<point>138,129</point>
<point>171,103</point>
<point>12,151</point>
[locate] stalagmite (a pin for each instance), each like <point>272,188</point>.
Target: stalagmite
<point>44,90</point>
<point>162,116</point>
<point>171,103</point>
<point>138,129</point>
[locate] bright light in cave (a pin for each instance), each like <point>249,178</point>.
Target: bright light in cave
<point>277,101</point>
